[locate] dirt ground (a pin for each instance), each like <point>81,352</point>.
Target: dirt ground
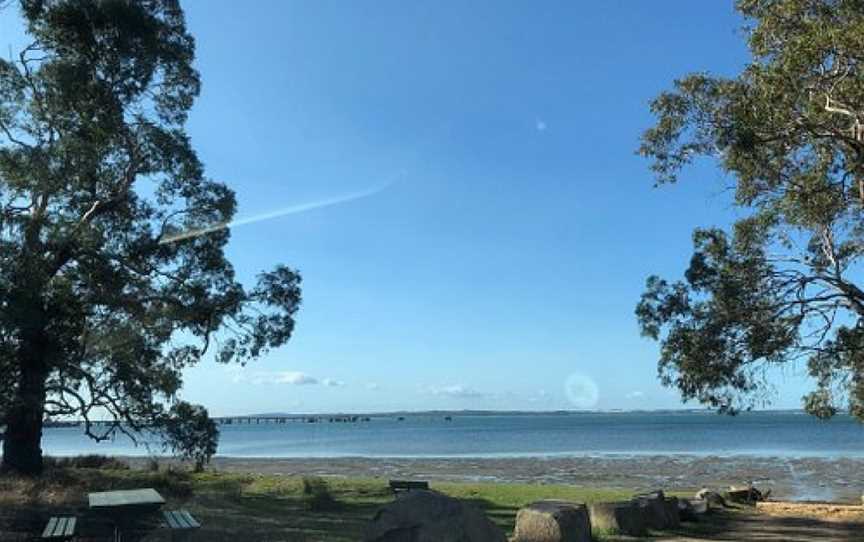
<point>779,522</point>
<point>818,510</point>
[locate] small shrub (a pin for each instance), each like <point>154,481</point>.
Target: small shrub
<point>91,461</point>
<point>189,432</point>
<point>152,465</point>
<point>602,535</point>
<point>317,496</point>
<point>173,483</point>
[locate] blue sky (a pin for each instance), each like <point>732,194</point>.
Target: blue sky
<point>499,265</point>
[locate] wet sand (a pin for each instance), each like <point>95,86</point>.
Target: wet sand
<point>814,479</point>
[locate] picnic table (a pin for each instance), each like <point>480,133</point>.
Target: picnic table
<point>125,508</point>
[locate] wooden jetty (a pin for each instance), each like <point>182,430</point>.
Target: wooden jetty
<point>240,420</point>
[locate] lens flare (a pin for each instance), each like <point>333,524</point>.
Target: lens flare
<point>581,390</point>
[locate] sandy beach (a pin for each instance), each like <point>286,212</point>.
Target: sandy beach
<point>813,479</point>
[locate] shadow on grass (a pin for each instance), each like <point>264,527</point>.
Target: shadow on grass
<point>707,527</point>
<point>502,515</point>
<point>287,517</point>
<point>269,517</point>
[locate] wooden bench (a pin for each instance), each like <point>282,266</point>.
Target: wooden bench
<point>398,486</point>
<point>60,528</point>
<point>180,522</point>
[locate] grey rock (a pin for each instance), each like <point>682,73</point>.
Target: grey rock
<point>692,509</point>
<point>673,518</point>
<point>428,516</point>
<point>553,521</point>
<point>712,497</point>
<point>617,517</point>
<point>653,507</point>
<point>744,494</point>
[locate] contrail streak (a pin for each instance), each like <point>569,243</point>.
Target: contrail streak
<point>293,209</point>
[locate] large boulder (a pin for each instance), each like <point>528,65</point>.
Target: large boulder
<point>745,494</point>
<point>553,521</point>
<point>692,509</point>
<point>673,518</point>
<point>428,516</point>
<point>653,507</point>
<point>617,517</point>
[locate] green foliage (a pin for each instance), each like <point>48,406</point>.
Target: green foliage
<point>190,433</point>
<point>602,535</point>
<point>113,276</point>
<point>783,285</point>
<point>316,494</point>
<point>91,461</point>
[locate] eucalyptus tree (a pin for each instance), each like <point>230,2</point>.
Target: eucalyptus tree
<point>104,300</point>
<point>784,284</point>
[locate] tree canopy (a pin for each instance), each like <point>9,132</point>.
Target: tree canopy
<point>103,300</point>
<point>785,284</point>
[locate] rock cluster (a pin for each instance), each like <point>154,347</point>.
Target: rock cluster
<point>428,516</point>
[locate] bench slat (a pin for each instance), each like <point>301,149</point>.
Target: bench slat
<point>60,528</point>
<point>172,521</point>
<point>191,521</point>
<point>180,519</point>
<point>70,526</point>
<point>408,484</point>
<point>49,529</point>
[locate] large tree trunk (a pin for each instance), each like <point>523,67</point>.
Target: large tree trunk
<point>22,451</point>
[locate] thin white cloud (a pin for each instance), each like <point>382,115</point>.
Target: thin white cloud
<point>295,378</point>
<point>457,391</point>
<point>285,211</point>
<point>540,125</point>
<point>542,396</point>
<point>635,395</point>
<point>235,372</point>
<point>373,386</point>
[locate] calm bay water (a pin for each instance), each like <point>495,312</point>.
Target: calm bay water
<point>786,434</point>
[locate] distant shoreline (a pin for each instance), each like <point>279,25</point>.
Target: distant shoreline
<point>321,416</point>
<point>481,412</point>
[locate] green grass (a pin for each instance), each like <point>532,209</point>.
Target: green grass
<point>362,496</point>
<point>358,498</point>
<point>265,507</point>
